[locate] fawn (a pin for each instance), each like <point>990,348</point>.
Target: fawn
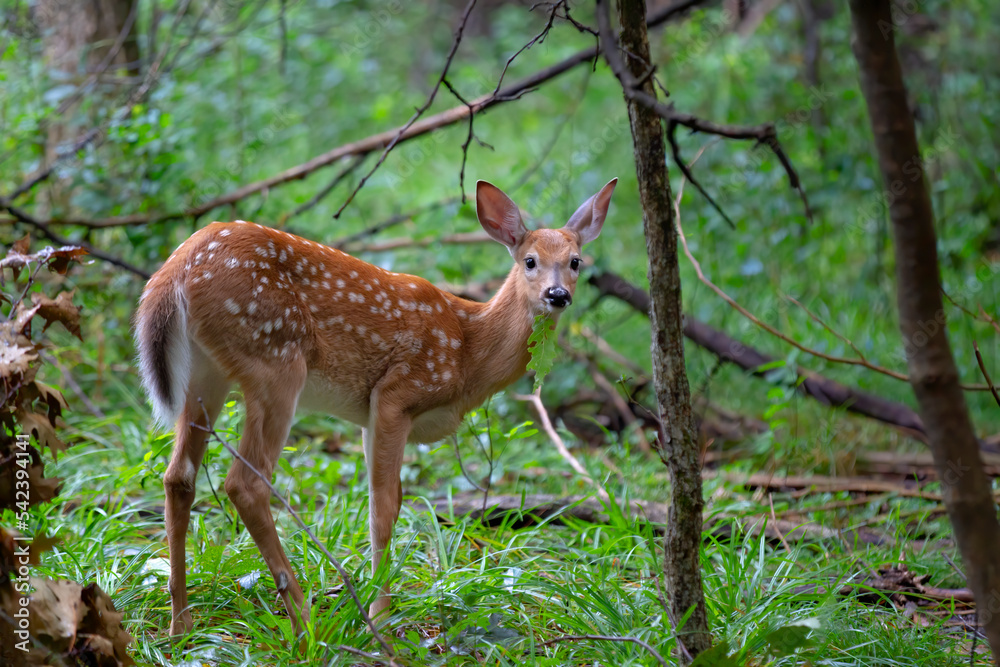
<point>296,323</point>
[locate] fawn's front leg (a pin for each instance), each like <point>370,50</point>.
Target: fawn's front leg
<point>384,441</point>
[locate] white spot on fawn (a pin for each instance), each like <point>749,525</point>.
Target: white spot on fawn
<point>224,232</point>
<point>252,307</point>
<point>232,307</point>
<point>232,262</point>
<point>213,245</point>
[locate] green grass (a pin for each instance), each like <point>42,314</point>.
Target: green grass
<point>465,593</point>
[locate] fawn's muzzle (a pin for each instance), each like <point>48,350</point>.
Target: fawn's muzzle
<point>558,297</point>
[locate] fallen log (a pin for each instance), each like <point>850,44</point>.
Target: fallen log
<point>824,390</point>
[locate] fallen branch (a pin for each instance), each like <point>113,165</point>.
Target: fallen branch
<point>521,511</point>
<point>824,390</point>
<point>821,484</point>
<point>540,507</point>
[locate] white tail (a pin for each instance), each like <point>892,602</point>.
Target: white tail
<point>298,323</point>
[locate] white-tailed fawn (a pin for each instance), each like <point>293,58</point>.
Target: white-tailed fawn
<point>298,324</point>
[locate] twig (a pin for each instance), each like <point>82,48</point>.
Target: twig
<point>605,638</point>
<point>43,229</point>
<point>362,654</point>
<point>767,327</point>
<point>470,135</point>
<point>537,39</point>
<point>536,400</point>
<point>986,374</point>
<point>420,110</point>
<point>675,150</point>
<point>318,197</point>
<point>816,318</point>
<point>392,221</point>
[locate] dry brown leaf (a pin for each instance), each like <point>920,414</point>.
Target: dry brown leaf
<point>41,426</point>
<point>53,398</point>
<point>8,563</point>
<point>40,488</point>
<point>56,611</point>
<point>39,545</point>
<point>59,309</point>
<point>15,359</point>
<point>22,245</point>
<point>61,258</point>
<point>68,623</point>
<point>101,619</point>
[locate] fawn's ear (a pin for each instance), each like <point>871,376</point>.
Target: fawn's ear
<point>589,218</point>
<point>499,215</point>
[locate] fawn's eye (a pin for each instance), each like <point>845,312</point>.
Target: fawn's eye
<point>574,263</point>
<point>529,262</point>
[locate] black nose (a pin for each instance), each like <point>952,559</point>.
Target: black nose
<point>558,297</point>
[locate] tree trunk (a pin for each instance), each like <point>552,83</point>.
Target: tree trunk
<point>82,39</point>
<point>933,374</point>
<point>678,445</point>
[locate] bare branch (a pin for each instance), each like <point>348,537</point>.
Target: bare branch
<point>43,229</point>
<point>326,190</point>
<point>764,134</point>
<point>382,139</point>
<point>420,110</point>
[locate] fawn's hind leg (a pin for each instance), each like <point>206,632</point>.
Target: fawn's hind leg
<point>206,395</point>
<point>270,399</point>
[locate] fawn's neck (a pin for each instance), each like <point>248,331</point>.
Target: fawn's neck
<point>496,339</point>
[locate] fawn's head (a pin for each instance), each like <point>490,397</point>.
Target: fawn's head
<point>548,260</point>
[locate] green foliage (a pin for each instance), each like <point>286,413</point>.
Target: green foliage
<point>543,346</point>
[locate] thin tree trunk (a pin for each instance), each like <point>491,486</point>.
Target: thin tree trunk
<point>82,39</point>
<point>933,374</point>
<point>678,445</point>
